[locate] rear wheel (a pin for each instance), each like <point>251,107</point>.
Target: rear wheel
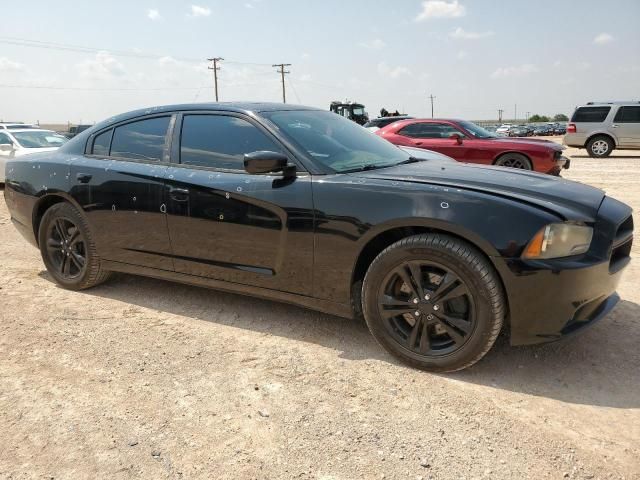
<point>600,146</point>
<point>433,301</point>
<point>68,250</point>
<point>514,160</point>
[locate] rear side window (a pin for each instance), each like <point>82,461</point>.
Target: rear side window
<point>220,141</point>
<point>101,143</point>
<point>590,114</point>
<point>628,115</point>
<point>141,140</point>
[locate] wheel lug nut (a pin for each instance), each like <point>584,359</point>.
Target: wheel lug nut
<point>427,297</point>
<point>417,313</point>
<point>429,317</point>
<point>415,300</point>
<point>436,307</point>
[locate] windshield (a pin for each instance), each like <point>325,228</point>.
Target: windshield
<point>336,142</point>
<point>476,131</point>
<point>358,111</point>
<point>39,139</point>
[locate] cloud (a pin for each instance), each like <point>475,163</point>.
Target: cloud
<point>153,14</point>
<point>375,44</point>
<point>248,5</point>
<point>305,77</point>
<point>514,71</point>
<point>168,61</point>
<point>440,9</point>
<point>101,66</point>
<point>7,65</point>
<point>603,39</point>
<point>461,54</point>
<point>395,72</point>
<point>461,34</point>
<point>305,56</point>
<point>198,11</point>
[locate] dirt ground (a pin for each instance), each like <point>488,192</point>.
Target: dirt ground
<point>141,378</point>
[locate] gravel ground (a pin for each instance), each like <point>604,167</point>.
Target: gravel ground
<point>141,378</point>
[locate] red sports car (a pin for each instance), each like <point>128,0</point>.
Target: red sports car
<point>467,142</point>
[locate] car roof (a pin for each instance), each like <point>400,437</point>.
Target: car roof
<point>18,130</point>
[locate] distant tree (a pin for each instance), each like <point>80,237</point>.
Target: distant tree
<point>560,117</point>
<point>538,118</point>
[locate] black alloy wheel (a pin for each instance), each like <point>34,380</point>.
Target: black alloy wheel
<point>427,308</point>
<point>434,301</point>
<point>68,250</point>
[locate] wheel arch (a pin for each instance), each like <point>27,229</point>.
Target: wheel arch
<point>44,203</point>
<point>382,237</point>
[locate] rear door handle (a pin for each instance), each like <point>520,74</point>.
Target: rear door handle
<point>179,194</point>
<point>84,177</point>
<point>614,126</point>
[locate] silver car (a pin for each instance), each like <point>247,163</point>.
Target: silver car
<point>600,127</point>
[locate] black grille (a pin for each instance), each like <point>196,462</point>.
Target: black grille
<point>621,251</point>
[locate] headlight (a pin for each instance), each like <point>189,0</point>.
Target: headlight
<point>559,240</point>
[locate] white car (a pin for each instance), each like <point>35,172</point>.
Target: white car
<point>503,130</point>
<point>16,142</point>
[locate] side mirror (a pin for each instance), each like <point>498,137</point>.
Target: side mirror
<point>267,162</point>
<point>456,137</point>
<point>6,147</point>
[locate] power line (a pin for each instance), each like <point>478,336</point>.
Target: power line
<point>215,69</point>
<point>294,90</point>
<point>23,42</point>
<point>283,72</point>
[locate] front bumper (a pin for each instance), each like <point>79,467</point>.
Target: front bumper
<point>552,299</point>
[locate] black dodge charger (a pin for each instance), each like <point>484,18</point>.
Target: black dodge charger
<point>303,206</point>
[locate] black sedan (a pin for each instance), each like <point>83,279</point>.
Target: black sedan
<point>303,206</point>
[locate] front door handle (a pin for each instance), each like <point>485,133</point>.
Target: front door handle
<point>417,143</point>
<point>179,194</point>
<point>84,177</point>
<point>614,126</point>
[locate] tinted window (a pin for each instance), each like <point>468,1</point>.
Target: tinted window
<point>219,141</point>
<point>590,114</point>
<point>101,143</point>
<point>4,139</point>
<point>429,130</point>
<point>628,115</point>
<point>143,140</point>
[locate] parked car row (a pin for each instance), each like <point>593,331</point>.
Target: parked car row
<point>304,206</point>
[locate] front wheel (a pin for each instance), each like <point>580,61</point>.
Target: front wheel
<point>433,301</point>
<point>68,250</point>
<point>514,160</point>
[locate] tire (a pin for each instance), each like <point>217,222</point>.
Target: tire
<point>514,160</point>
<point>600,146</point>
<point>68,249</point>
<point>456,281</point>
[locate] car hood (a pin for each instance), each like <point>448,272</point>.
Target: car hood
<point>538,142</point>
<point>571,200</point>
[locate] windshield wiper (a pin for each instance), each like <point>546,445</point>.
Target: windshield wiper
<point>363,168</point>
<point>411,160</point>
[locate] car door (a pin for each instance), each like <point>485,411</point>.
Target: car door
<point>626,126</point>
<point>227,224</point>
<point>119,183</point>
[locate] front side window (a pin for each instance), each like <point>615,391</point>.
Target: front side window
<point>628,115</point>
<point>590,114</point>
<point>429,130</point>
<point>101,143</point>
<point>40,139</point>
<point>220,141</point>
<point>141,140</point>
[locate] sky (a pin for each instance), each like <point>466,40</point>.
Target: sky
<point>81,62</point>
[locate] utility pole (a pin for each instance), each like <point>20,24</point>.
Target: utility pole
<point>515,112</point>
<point>282,72</point>
<point>527,116</point>
<point>500,115</point>
<point>215,69</point>
<point>432,98</point>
